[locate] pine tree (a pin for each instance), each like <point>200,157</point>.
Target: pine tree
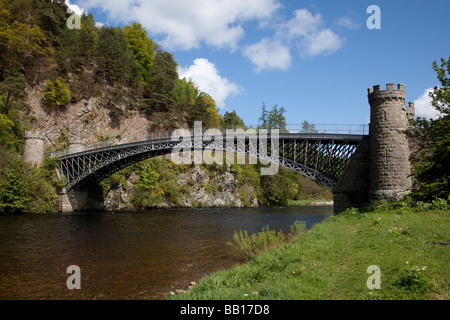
<point>159,89</point>
<point>231,119</point>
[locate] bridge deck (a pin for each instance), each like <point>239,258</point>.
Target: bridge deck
<point>337,138</point>
<point>321,157</point>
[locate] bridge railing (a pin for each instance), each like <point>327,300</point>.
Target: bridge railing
<point>349,129</point>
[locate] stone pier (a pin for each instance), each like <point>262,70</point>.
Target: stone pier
<point>380,169</point>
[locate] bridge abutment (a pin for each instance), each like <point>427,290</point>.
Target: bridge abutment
<point>88,199</point>
<point>380,169</point>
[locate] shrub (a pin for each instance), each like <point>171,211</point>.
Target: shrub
<point>297,228</point>
<point>413,280</point>
<point>440,204</point>
<point>57,93</point>
<point>245,245</point>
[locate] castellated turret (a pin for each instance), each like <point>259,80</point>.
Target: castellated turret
<point>33,149</point>
<point>390,168</point>
<point>411,111</point>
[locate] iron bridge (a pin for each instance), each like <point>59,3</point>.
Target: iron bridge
<point>322,157</point>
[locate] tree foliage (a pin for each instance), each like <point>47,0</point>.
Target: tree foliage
<point>272,119</point>
<point>431,170</point>
<point>142,48</point>
<point>308,128</point>
<point>57,93</point>
<point>231,119</point>
<point>14,196</point>
<point>115,62</point>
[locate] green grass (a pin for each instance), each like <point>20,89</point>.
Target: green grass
<point>306,202</point>
<point>330,261</point>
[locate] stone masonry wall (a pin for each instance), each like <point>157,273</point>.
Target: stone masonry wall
<point>389,150</point>
<point>352,189</point>
<point>33,150</point>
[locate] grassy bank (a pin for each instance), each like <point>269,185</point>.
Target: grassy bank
<point>330,261</point>
<point>294,203</point>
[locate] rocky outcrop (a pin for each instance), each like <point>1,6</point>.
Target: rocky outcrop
<point>91,120</point>
<point>204,192</point>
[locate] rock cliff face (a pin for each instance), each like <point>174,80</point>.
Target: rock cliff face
<point>223,194</point>
<point>92,120</point>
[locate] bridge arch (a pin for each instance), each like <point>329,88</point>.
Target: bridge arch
<point>320,157</point>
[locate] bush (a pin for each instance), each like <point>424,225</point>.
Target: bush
<point>58,93</point>
<point>413,280</point>
<point>14,195</point>
<point>244,245</point>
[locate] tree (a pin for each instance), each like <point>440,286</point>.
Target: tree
<point>159,90</point>
<point>204,110</point>
<point>13,87</point>
<point>231,119</point>
<point>263,118</point>
<point>308,128</point>
<point>57,93</point>
<point>431,169</point>
<point>273,119</point>
<point>115,62</point>
<point>51,17</point>
<point>185,92</point>
<point>22,41</point>
<point>14,197</point>
<point>142,48</point>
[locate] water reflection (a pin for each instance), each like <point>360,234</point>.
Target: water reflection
<point>141,255</point>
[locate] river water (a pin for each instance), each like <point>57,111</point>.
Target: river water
<point>139,255</point>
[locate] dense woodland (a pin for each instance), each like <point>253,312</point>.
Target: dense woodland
<point>124,66</point>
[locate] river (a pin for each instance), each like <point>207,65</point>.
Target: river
<point>127,256</point>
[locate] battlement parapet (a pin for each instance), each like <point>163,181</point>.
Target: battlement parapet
<point>28,135</point>
<point>411,110</point>
<point>377,95</point>
<point>33,149</point>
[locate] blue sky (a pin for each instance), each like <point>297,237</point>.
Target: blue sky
<point>316,59</point>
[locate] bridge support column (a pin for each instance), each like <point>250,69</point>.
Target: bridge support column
<point>390,168</point>
<point>380,169</point>
<point>352,190</point>
<point>81,200</point>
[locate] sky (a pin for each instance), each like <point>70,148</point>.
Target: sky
<point>316,59</point>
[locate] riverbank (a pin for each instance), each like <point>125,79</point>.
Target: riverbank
<point>310,202</point>
<point>409,245</point>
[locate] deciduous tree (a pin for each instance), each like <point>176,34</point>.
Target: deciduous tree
<point>431,168</point>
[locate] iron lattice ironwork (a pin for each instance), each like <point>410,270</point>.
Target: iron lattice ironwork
<point>321,157</point>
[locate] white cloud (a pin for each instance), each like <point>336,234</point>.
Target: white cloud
<point>75,8</point>
<point>268,54</point>
<point>205,74</point>
<point>424,108</point>
<point>303,23</point>
<point>312,38</point>
<point>348,22</point>
<point>323,42</point>
<point>187,24</point>
<point>306,30</point>
<point>222,24</point>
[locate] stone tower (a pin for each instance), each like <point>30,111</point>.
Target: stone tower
<point>390,168</point>
<point>33,149</point>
